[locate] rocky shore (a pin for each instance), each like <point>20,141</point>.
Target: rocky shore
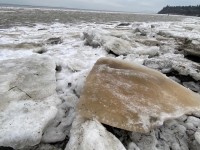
<point>45,69</point>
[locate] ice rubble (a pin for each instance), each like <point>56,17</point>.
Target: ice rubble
<point>159,139</point>
<point>190,47</point>
<point>171,62</point>
<point>116,45</point>
<point>154,44</point>
<point>181,134</point>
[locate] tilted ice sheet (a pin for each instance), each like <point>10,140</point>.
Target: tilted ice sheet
<point>133,97</point>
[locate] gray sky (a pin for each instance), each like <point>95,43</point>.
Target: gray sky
<point>113,5</point>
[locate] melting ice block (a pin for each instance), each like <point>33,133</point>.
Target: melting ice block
<point>133,97</point>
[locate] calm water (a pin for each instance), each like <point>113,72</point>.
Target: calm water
<point>29,16</point>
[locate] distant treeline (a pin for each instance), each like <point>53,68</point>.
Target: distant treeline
<point>181,10</point>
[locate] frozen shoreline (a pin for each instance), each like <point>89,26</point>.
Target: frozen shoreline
<point>74,48</point>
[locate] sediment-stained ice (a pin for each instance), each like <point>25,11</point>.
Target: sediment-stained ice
<point>133,97</point>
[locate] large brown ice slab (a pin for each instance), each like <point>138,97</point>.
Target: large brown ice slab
<point>133,97</point>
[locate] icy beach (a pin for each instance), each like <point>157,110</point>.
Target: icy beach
<point>44,67</point>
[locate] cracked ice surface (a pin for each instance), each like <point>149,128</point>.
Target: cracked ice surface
<point>28,99</point>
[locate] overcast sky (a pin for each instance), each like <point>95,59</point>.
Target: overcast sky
<point>113,5</point>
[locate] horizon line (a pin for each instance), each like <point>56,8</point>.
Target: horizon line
<point>65,8</point>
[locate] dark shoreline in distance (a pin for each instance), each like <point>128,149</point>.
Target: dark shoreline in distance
<point>181,10</point>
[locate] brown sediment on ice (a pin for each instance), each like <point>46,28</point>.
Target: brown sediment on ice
<point>133,97</point>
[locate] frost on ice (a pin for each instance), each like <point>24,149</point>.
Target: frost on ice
<point>28,99</point>
<point>133,97</point>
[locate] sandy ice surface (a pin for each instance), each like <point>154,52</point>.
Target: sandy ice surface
<point>74,58</point>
